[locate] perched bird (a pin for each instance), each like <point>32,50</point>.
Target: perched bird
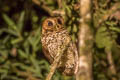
<point>54,38</point>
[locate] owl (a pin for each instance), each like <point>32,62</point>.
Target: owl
<point>54,37</point>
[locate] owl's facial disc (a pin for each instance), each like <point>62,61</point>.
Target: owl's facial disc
<point>52,24</point>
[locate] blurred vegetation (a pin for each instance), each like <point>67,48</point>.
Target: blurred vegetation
<point>21,56</point>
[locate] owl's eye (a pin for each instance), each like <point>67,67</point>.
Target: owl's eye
<point>50,23</point>
<point>59,21</point>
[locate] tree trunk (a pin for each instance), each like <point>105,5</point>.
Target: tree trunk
<point>85,37</point>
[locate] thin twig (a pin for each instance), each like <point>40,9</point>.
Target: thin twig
<point>26,74</point>
<point>95,2</point>
<point>54,66</point>
<point>110,12</point>
<point>43,5</point>
<point>47,9</point>
<point>59,3</point>
<point>111,62</point>
<point>56,61</point>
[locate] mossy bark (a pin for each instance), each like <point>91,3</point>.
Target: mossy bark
<point>85,37</point>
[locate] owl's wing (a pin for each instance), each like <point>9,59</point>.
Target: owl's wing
<point>76,57</point>
<point>47,54</point>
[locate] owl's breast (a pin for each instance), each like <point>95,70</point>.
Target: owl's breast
<point>54,42</point>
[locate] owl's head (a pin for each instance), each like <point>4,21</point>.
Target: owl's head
<point>52,24</point>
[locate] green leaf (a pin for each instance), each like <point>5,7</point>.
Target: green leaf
<point>10,22</point>
<point>34,40</point>
<point>22,54</point>
<point>21,21</point>
<point>103,38</point>
<point>37,38</point>
<point>10,31</point>
<point>117,29</point>
<point>15,41</point>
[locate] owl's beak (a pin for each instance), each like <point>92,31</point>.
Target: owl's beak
<point>56,27</point>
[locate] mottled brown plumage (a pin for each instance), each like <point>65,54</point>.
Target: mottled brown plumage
<point>54,38</point>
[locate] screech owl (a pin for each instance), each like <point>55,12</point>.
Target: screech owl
<point>54,36</point>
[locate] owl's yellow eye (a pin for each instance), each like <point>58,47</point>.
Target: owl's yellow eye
<point>50,23</point>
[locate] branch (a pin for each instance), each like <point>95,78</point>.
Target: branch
<point>114,8</point>
<point>56,61</point>
<point>111,62</point>
<point>47,9</point>
<point>26,74</point>
<point>43,5</point>
<point>54,66</point>
<point>59,3</point>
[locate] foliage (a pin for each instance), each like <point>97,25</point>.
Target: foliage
<point>106,37</point>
